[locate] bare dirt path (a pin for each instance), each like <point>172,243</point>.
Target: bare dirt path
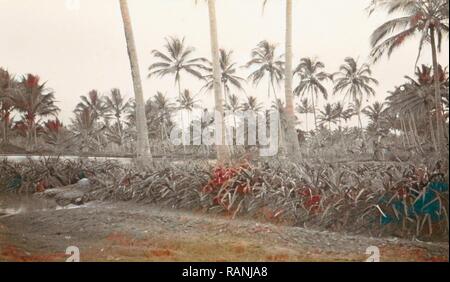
<point>133,232</point>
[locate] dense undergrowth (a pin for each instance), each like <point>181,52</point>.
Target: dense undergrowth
<point>373,198</point>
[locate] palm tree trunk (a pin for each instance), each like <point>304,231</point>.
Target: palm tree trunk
<point>223,153</point>
<point>405,132</point>
<point>314,111</point>
<point>416,133</point>
<point>437,94</point>
<point>5,128</point>
<point>143,146</point>
<point>433,137</point>
<point>306,118</point>
<point>293,147</point>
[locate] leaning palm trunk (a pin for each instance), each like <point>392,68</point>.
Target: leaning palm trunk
<point>223,153</point>
<point>291,143</point>
<point>143,147</point>
<point>5,128</point>
<point>437,94</point>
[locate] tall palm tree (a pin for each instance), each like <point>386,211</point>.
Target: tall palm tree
<point>267,64</point>
<point>143,146</point>
<point>430,19</point>
<point>292,144</point>
<point>229,76</point>
<point>305,108</point>
<point>312,78</point>
<point>223,152</point>
<point>354,81</point>
<point>176,61</point>
<point>34,100</point>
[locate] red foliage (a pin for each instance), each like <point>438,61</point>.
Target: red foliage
<point>310,200</point>
<point>53,125</point>
<point>32,81</point>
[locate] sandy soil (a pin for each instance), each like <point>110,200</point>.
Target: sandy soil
<point>134,232</point>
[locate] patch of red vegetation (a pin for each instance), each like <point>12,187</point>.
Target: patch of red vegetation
<point>14,254</point>
<point>161,253</point>
<point>278,257</point>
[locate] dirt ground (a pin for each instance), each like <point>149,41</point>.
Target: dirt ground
<point>134,232</point>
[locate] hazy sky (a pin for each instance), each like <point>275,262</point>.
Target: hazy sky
<point>77,50</point>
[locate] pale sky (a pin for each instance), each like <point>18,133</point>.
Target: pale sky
<point>79,49</point>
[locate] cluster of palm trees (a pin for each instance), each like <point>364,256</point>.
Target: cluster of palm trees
<point>418,108</point>
<point>28,97</point>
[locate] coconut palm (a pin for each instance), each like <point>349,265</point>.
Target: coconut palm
<point>375,114</point>
<point>176,61</point>
<point>116,106</point>
<point>143,146</point>
<point>34,101</point>
<point>95,102</point>
<point>312,78</point>
<point>8,89</point>
<point>305,108</point>
<point>427,18</point>
<point>356,108</point>
<point>291,145</point>
<point>229,76</point>
<point>223,152</point>
<point>165,108</point>
<point>328,115</point>
<point>417,96</point>
<point>354,81</point>
<point>86,130</point>
<point>187,103</point>
<point>252,104</point>
<point>267,64</point>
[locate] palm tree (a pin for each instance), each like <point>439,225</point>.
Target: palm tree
<point>252,104</point>
<point>356,108</point>
<point>57,135</point>
<point>165,108</point>
<point>429,18</point>
<point>116,106</point>
<point>375,114</point>
<point>187,102</point>
<point>292,144</point>
<point>233,107</point>
<point>223,153</point>
<point>229,77</point>
<point>355,81</point>
<point>176,61</point>
<point>305,108</point>
<point>86,130</point>
<point>267,63</point>
<point>34,100</point>
<point>94,102</point>
<point>312,78</point>
<point>417,96</point>
<point>8,89</point>
<point>328,115</point>
<point>143,146</point>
